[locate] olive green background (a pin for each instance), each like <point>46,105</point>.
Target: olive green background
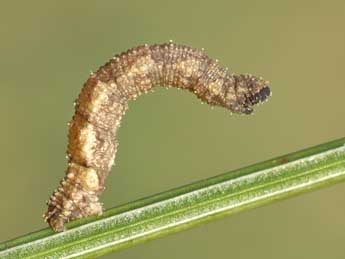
<point>168,139</point>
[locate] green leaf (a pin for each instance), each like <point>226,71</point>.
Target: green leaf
<point>187,206</point>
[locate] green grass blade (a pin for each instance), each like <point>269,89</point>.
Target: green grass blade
<point>187,206</point>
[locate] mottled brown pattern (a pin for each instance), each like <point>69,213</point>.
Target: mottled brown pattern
<point>104,99</point>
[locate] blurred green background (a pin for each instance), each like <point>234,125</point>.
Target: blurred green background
<point>168,139</point>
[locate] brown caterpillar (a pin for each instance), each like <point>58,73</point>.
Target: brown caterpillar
<point>103,101</point>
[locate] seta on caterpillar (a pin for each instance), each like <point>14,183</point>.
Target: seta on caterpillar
<point>104,99</point>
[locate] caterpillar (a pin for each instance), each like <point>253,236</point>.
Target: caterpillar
<point>104,99</point>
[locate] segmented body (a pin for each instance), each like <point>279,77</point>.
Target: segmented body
<point>104,99</point>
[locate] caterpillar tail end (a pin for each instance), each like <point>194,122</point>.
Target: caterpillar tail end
<point>61,211</point>
<point>77,197</point>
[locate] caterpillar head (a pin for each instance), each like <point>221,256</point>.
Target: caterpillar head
<point>249,90</point>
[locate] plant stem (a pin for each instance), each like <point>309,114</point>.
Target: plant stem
<point>187,206</point>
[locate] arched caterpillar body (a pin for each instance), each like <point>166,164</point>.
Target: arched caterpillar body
<point>103,101</point>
